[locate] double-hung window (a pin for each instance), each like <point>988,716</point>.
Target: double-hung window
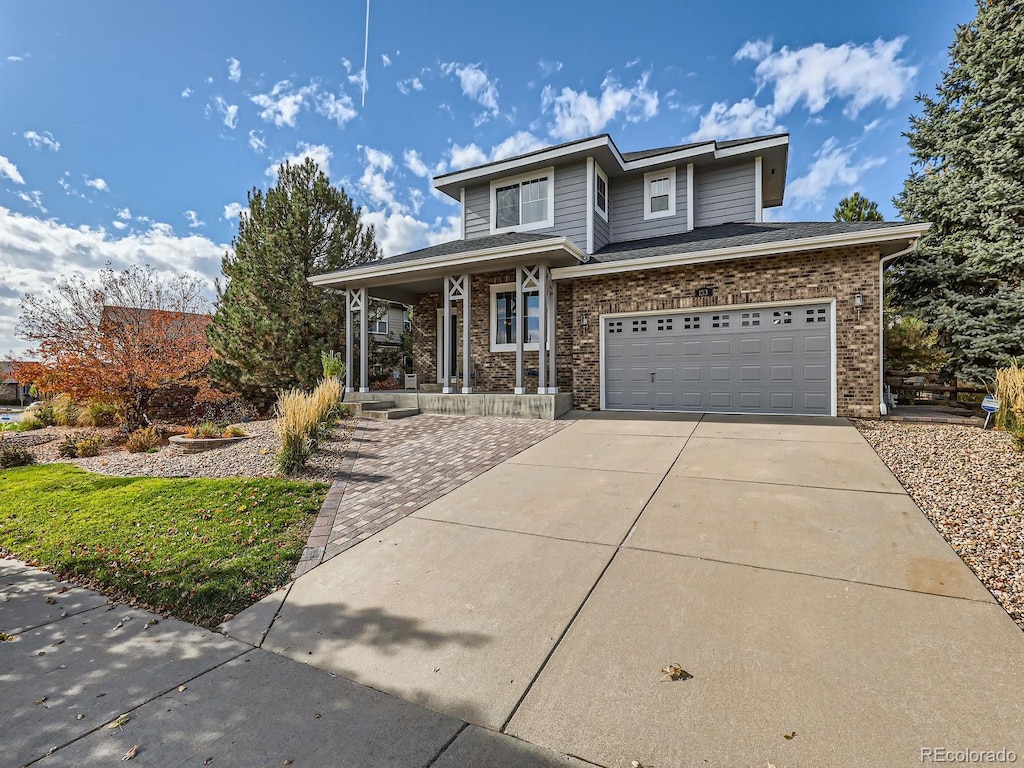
<point>505,316</point>
<point>600,192</point>
<point>380,327</point>
<point>523,203</point>
<point>660,193</point>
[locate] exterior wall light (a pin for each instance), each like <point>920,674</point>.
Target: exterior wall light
<point>858,301</point>
<point>584,321</point>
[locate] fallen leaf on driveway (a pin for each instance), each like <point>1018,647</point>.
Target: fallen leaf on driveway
<point>54,645</point>
<point>51,600</point>
<point>37,702</point>
<point>119,721</point>
<point>788,736</point>
<point>207,761</point>
<point>674,672</point>
<point>131,753</point>
<point>181,688</point>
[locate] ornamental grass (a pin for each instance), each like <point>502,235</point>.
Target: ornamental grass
<point>303,420</point>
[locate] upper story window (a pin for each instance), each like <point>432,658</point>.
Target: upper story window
<point>600,192</point>
<point>380,327</point>
<point>660,193</point>
<point>524,202</point>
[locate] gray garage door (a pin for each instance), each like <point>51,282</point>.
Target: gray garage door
<point>766,360</point>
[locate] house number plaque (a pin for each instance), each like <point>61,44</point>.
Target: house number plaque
<point>703,293</point>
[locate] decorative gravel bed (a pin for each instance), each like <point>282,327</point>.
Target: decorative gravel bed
<point>970,484</point>
<point>248,458</point>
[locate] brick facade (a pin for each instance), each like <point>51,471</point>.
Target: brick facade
<point>812,275</point>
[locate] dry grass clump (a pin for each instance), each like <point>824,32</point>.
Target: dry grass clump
<point>96,413</point>
<point>1010,391</point>
<point>303,420</point>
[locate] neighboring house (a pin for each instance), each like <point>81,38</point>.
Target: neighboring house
<point>12,391</point>
<point>644,281</point>
<point>389,320</point>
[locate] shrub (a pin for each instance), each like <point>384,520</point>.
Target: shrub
<point>234,431</point>
<point>66,448</point>
<point>65,412</point>
<point>89,445</point>
<point>332,365</point>
<point>44,414</point>
<point>208,430</point>
<point>14,456</point>
<point>98,414</point>
<point>144,440</point>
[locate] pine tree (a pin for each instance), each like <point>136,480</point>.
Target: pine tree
<point>857,208</point>
<point>271,325</point>
<point>966,277</point>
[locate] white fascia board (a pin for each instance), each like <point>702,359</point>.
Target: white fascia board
<point>456,261</point>
<point>841,240</point>
<point>709,147</point>
<point>507,166</point>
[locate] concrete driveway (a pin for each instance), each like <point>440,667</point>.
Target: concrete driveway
<point>822,618</point>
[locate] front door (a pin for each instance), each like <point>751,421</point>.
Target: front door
<point>454,372</point>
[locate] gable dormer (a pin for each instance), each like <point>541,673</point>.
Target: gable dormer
<point>591,193</point>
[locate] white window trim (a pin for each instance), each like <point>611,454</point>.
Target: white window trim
<point>547,223</point>
<point>495,290</point>
<point>376,324</point>
<point>607,201</point>
<point>648,178</point>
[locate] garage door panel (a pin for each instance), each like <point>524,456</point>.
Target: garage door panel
<point>769,360</point>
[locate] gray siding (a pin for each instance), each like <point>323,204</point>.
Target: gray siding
<point>724,194</point>
<point>570,206</point>
<point>396,323</point>
<point>478,222</point>
<point>627,209</point>
<point>602,228</point>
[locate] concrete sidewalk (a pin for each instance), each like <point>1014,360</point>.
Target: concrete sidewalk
<point>74,663</point>
<point>777,561</point>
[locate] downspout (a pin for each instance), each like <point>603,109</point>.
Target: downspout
<point>882,263</point>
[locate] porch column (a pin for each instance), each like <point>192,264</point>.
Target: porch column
<point>349,322</point>
<point>446,344</point>
<point>364,342</point>
<point>467,384</point>
<point>520,325</point>
<point>553,338</point>
<point>542,330</point>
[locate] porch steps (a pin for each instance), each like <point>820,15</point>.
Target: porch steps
<point>382,409</point>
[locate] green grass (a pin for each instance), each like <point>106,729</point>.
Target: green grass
<point>195,549</point>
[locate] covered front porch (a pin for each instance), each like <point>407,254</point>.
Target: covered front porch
<point>488,326</point>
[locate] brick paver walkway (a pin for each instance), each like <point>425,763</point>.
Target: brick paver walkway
<point>394,468</point>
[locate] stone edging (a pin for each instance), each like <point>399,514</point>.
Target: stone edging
<point>185,446</point>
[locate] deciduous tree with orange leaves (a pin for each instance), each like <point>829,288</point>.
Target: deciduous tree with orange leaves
<point>121,337</point>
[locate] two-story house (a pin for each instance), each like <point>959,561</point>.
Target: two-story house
<point>643,281</point>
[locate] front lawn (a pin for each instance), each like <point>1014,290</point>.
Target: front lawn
<point>194,548</point>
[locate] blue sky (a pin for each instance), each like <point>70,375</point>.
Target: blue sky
<point>131,132</point>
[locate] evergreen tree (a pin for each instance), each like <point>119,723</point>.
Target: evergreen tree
<point>857,208</point>
<point>271,325</point>
<point>966,277</point>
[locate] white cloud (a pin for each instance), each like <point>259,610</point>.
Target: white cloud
<point>98,184</point>
<point>15,59</point>
<point>34,198</point>
<point>346,64</point>
<point>234,70</point>
<point>466,157</point>
<point>476,85</point>
<point>548,68</point>
<point>281,106</point>
<point>386,59</point>
<point>209,79</point>
<point>228,112</point>
<point>256,142</point>
<point>374,182</point>
<point>577,114</point>
<point>396,232</point>
<point>118,225</point>
<point>40,140</point>
<point>34,252</point>
<point>340,108</point>
<point>407,86</point>
<point>193,219</point>
<point>186,92</point>
<point>742,119</point>
<point>415,163</point>
<point>321,154</point>
<point>517,144</point>
<point>10,170</point>
<point>232,210</point>
<point>450,230</point>
<point>833,166</point>
<point>124,214</point>
<point>855,74</point>
<point>755,50</point>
